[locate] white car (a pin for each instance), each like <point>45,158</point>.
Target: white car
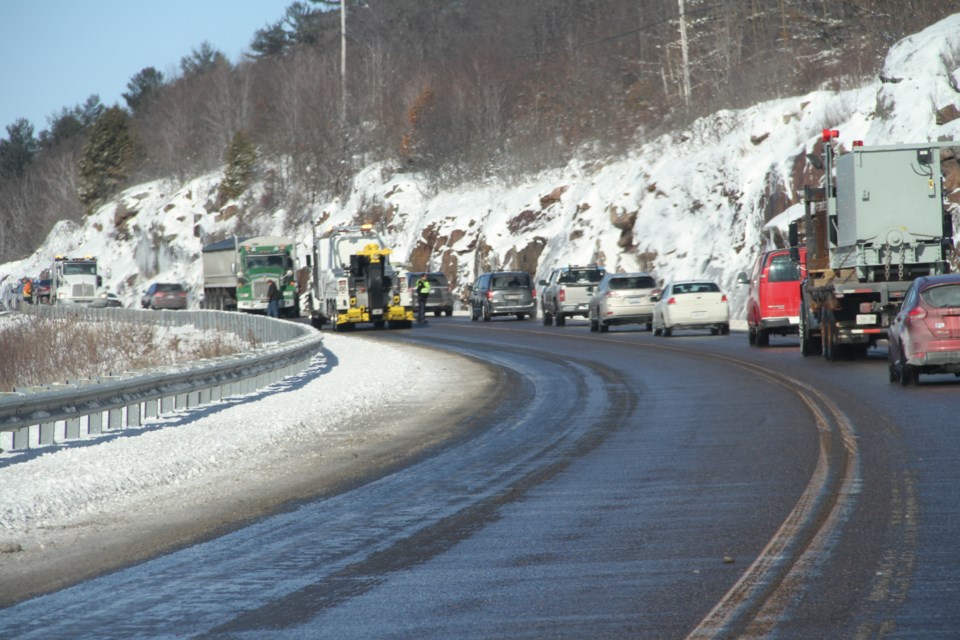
<point>691,304</point>
<point>623,298</point>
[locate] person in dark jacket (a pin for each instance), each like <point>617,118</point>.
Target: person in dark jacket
<point>273,300</point>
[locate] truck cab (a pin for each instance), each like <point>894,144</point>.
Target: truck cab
<point>773,300</point>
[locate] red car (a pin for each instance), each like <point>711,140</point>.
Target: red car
<point>924,337</point>
<point>773,303</point>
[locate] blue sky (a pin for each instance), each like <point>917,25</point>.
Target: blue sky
<point>55,53</point>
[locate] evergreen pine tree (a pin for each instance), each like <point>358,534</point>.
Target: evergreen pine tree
<point>241,158</point>
<point>18,150</point>
<point>143,87</point>
<point>107,156</point>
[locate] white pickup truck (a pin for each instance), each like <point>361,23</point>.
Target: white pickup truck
<point>566,292</point>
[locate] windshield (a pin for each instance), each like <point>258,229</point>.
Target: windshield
<point>266,261</point>
<point>943,296</point>
<point>695,287</point>
<point>633,282</point>
<point>512,281</point>
<point>581,276</point>
<point>783,269</point>
<point>352,245</point>
<point>80,268</point>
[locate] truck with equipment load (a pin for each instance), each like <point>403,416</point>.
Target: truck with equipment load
<point>74,280</point>
<point>353,282</point>
<point>876,223</point>
<point>237,274</point>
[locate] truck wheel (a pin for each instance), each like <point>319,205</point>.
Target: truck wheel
<point>763,338</point>
<point>604,327</point>
<point>486,313</point>
<point>547,318</point>
<point>594,325</point>
<point>751,336</point>
<point>448,312</point>
<point>436,313</point>
<point>808,344</point>
<point>561,320</point>
<point>828,337</point>
<point>474,314</point>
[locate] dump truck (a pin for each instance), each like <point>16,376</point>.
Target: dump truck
<point>353,282</point>
<point>75,280</point>
<point>237,274</point>
<point>876,222</point>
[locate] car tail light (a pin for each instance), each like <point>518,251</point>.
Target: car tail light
<point>723,298</point>
<point>672,300</point>
<point>563,295</point>
<point>533,293</point>
<point>489,295</point>
<point>917,313</point>
<point>612,294</point>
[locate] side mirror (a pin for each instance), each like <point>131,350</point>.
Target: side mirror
<point>742,278</point>
<point>793,237</point>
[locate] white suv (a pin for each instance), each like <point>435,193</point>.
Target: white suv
<point>623,298</point>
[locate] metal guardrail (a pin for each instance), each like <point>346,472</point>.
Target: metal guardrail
<point>51,414</point>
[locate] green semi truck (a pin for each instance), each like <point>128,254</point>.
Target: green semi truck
<point>237,274</point>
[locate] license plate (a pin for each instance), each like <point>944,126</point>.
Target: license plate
<point>513,298</point>
<point>634,300</point>
<point>698,314</point>
<point>866,318</point>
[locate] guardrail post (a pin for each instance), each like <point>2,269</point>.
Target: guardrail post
<point>46,433</point>
<point>95,423</point>
<point>133,415</point>
<point>71,429</point>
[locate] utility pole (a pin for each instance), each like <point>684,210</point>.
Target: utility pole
<point>343,61</point>
<point>686,59</point>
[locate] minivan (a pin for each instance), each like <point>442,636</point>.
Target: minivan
<point>503,293</point>
<point>440,299</point>
<point>773,301</point>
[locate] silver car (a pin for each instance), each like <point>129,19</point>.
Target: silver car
<point>623,298</point>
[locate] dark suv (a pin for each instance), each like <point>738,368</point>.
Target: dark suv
<point>440,299</point>
<point>503,293</point>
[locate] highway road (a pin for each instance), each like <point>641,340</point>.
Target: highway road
<point>620,485</point>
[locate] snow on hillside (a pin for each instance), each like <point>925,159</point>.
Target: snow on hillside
<point>692,203</point>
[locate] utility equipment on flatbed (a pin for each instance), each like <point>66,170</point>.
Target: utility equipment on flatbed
<point>877,222</point>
